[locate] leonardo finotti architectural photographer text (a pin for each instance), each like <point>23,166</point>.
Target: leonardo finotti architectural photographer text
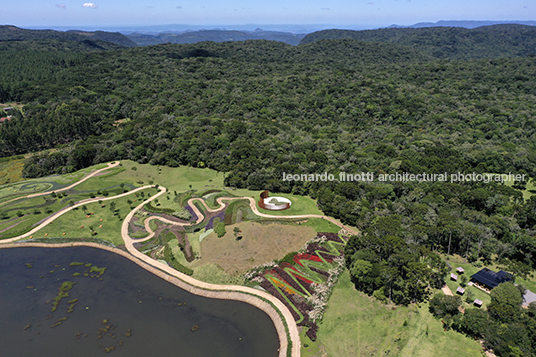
<point>406,177</point>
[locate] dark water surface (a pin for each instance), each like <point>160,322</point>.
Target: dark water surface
<point>130,298</point>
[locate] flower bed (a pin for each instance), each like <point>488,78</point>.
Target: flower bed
<point>210,224</point>
<point>305,256</point>
<point>302,287</point>
<point>192,213</point>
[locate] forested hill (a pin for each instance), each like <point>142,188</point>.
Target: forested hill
<point>105,40</point>
<point>495,41</point>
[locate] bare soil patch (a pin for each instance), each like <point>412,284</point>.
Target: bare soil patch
<point>260,243</point>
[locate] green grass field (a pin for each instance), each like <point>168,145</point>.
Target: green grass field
<point>76,224</point>
<point>357,325</point>
<point>173,178</point>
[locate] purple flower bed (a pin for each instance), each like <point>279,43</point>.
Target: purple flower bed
<point>321,272</point>
<point>334,237</point>
<point>312,248</point>
<point>311,332</point>
<point>194,216</point>
<point>210,224</point>
<point>273,291</point>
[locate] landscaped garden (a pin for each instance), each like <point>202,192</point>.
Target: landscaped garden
<point>231,245</point>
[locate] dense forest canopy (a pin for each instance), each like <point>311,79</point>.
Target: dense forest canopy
<point>258,109</point>
<point>505,40</point>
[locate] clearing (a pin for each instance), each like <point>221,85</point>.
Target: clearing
<point>260,243</point>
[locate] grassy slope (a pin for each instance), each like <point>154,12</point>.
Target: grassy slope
<point>71,223</point>
<point>11,171</point>
<point>356,325</point>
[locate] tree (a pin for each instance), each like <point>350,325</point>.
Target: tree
<point>505,305</point>
<point>442,305</point>
<point>475,322</point>
<point>220,229</point>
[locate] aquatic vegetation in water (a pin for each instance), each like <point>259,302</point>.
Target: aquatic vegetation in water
<point>62,293</point>
<point>95,269</point>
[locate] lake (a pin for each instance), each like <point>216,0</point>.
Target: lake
<point>127,310</point>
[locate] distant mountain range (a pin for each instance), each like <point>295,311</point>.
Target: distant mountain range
<point>442,39</point>
<point>447,42</point>
<point>466,23</point>
<point>216,36</point>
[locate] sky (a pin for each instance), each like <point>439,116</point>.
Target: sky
<point>361,13</point>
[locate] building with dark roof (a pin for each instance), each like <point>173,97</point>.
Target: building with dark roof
<point>490,279</point>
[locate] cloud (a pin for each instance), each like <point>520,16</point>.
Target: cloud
<point>61,6</point>
<point>90,5</point>
<point>325,8</point>
<point>179,7</point>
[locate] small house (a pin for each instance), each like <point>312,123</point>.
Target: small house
<point>460,290</point>
<point>460,270</point>
<point>478,303</point>
<point>453,277</point>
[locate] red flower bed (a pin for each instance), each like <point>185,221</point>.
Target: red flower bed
<point>305,256</point>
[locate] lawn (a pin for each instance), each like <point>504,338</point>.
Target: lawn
<point>43,184</point>
<point>107,224</point>
<point>357,325</point>
<point>33,210</point>
<point>321,225</point>
<point>300,204</point>
<point>177,179</point>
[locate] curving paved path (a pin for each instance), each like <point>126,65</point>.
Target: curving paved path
<point>268,303</point>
